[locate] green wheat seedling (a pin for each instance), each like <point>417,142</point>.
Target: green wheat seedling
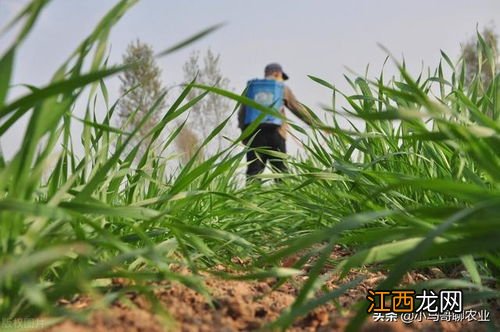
<point>418,186</point>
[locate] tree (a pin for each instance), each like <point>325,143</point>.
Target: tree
<point>212,109</point>
<point>143,87</point>
<point>475,60</point>
<point>187,143</point>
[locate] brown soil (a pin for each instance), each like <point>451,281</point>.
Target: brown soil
<point>238,306</point>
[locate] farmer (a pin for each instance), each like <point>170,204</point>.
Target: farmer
<point>271,132</point>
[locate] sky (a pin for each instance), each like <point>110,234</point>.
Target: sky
<point>316,37</point>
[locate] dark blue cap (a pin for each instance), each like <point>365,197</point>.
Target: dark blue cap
<point>274,67</point>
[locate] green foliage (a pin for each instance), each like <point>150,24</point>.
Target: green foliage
<point>419,186</point>
<point>213,109</point>
<point>141,87</point>
<point>481,61</point>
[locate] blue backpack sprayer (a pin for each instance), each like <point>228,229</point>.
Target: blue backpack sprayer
<point>268,93</point>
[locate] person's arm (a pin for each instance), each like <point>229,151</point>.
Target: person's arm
<point>296,107</point>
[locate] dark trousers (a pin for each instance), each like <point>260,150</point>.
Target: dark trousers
<point>267,137</point>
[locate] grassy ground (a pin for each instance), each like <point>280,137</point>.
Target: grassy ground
<point>416,190</point>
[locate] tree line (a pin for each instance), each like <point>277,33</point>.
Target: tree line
<point>142,86</point>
